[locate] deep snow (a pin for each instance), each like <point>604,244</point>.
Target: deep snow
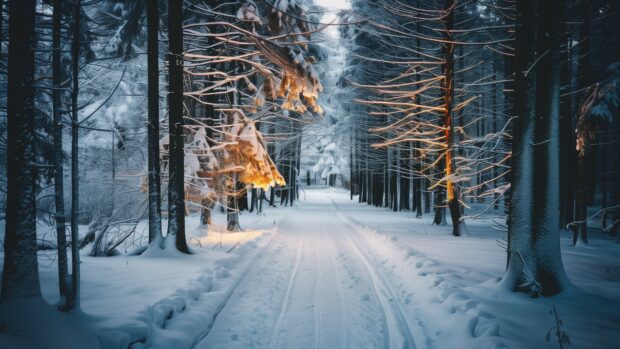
<point>331,272</point>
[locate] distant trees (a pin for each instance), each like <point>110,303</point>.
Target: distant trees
<point>97,116</point>
<point>436,110</point>
<point>430,104</point>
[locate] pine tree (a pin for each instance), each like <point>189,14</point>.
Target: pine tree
<point>20,277</point>
<point>176,184</point>
<point>155,233</point>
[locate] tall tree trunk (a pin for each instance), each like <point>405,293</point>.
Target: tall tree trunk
<point>533,231</point>
<point>176,189</point>
<point>448,55</point>
<point>59,192</point>
<point>233,204</point>
<point>583,162</point>
<point>520,259</point>
<point>567,136</point>
<point>152,17</point>
<point>74,299</point>
<point>549,268</point>
<point>20,276</point>
<point>418,99</point>
<point>495,130</point>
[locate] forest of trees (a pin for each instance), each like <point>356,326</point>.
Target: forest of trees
<point>224,68</point>
<point>463,106</point>
<point>117,111</point>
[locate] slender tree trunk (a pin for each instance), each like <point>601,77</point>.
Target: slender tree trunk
<point>232,210</point>
<point>73,300</point>
<point>272,153</point>
<point>567,136</point>
<point>152,14</point>
<point>583,162</point>
<point>386,181</point>
<point>351,172</point>
<point>59,192</point>
<point>427,197</point>
<point>233,206</point>
<point>176,189</point>
<point>20,276</point>
<point>448,51</point>
<point>253,199</point>
<point>495,130</point>
<point>420,181</point>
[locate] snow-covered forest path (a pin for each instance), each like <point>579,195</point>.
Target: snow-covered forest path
<point>318,285</point>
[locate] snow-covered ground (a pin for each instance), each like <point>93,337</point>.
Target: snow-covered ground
<point>330,273</point>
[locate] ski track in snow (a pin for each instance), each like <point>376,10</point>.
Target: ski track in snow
<point>287,296</point>
<point>317,285</point>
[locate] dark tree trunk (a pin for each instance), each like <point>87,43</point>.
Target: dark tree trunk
<point>20,276</point>
<point>420,181</point>
<point>452,196</point>
<point>582,188</point>
<point>567,135</point>
<point>495,130</point>
<point>253,199</point>
<point>74,298</point>
<point>386,184</point>
<point>176,190</point>
<point>533,236</point>
<point>152,15</point>
<point>520,256</point>
<point>64,280</point>
<point>427,196</point>
<point>438,197</point>
<point>549,268</point>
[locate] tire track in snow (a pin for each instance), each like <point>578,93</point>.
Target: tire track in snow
<point>344,314</point>
<point>317,297</point>
<point>221,307</point>
<point>395,322</point>
<point>394,316</point>
<point>287,295</point>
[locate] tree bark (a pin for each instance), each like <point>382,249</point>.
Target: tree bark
<point>534,259</point>
<point>73,300</point>
<point>20,276</point>
<point>549,268</point>
<point>59,195</point>
<point>452,197</point>
<point>176,181</point>
<point>152,17</point>
<point>582,188</point>
<point>520,258</point>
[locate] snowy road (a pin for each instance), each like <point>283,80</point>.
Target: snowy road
<point>317,285</point>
